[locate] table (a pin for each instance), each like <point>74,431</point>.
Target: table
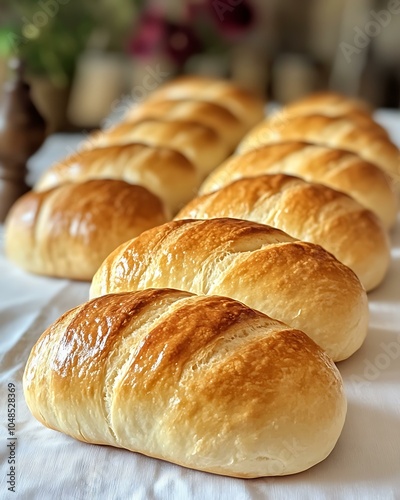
<point>48,465</point>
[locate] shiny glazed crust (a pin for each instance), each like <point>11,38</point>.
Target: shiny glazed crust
<point>329,103</point>
<point>339,169</point>
<point>295,282</point>
<point>343,132</point>
<point>199,144</point>
<point>68,231</point>
<point>204,382</point>
<point>308,211</point>
<point>218,118</point>
<point>242,103</point>
<point>163,171</point>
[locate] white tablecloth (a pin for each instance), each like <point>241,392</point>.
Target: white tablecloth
<point>365,463</point>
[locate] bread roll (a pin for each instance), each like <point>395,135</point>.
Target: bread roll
<point>358,118</point>
<point>200,144</point>
<point>298,283</point>
<point>204,382</point>
<point>308,211</point>
<point>242,103</point>
<point>327,103</point>
<point>331,104</point>
<point>69,230</point>
<point>343,132</point>
<point>339,169</point>
<point>165,172</point>
<point>220,119</point>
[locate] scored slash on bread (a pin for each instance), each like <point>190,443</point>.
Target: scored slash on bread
<point>168,156</point>
<point>308,211</point>
<point>338,169</point>
<point>328,103</point>
<point>220,119</point>
<point>204,382</point>
<point>200,144</point>
<point>298,283</point>
<point>246,106</point>
<point>163,171</point>
<point>343,132</point>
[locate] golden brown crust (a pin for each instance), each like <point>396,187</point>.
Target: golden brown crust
<point>220,119</point>
<point>329,103</point>
<point>263,267</point>
<point>338,169</point>
<point>163,171</point>
<point>308,211</point>
<point>358,118</point>
<point>200,144</point>
<point>68,231</point>
<point>341,132</point>
<point>242,103</point>
<point>204,382</point>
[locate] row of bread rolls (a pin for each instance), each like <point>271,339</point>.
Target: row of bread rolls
<point>298,283</point>
<point>350,128</point>
<point>191,123</point>
<point>343,132</point>
<point>193,260</point>
<point>165,172</point>
<point>202,258</point>
<point>308,211</point>
<point>203,380</point>
<point>127,179</point>
<point>336,168</point>
<point>350,220</point>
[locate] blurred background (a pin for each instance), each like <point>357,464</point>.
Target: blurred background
<point>89,59</point>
